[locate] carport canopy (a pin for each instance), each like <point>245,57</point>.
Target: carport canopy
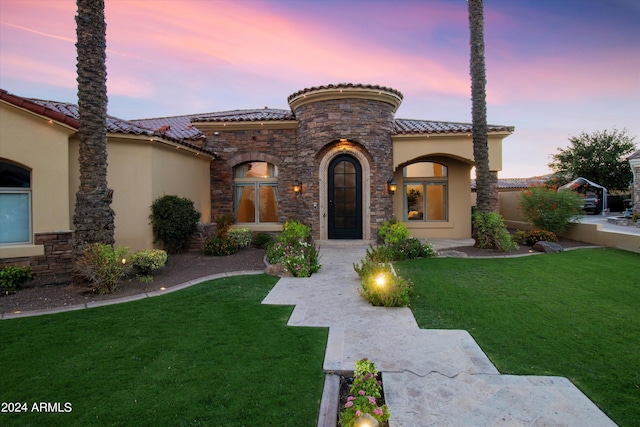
<point>584,181</point>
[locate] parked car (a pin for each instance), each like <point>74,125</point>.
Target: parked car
<point>590,202</point>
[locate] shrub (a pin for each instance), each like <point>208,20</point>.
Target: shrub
<point>147,261</point>
<point>364,396</point>
<point>519,237</point>
<point>393,231</point>
<point>550,210</point>
<point>174,220</point>
<point>301,259</point>
<point>102,267</point>
<point>535,236</point>
<point>241,235</point>
<point>223,224</point>
<point>224,246</point>
<point>490,232</point>
<point>381,287</point>
<point>409,249</point>
<point>262,240</point>
<point>13,277</point>
<point>294,231</point>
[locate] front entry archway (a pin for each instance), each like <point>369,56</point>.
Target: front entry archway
<point>344,198</point>
<point>323,175</point>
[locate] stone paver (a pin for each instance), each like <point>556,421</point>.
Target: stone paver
<point>431,377</point>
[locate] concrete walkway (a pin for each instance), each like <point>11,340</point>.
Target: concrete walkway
<point>431,377</point>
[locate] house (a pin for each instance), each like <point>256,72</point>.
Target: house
<point>338,159</point>
<point>634,162</point>
<point>39,176</point>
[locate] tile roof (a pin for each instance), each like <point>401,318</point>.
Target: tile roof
<point>183,129</point>
<point>514,183</point>
<point>345,86</point>
<point>256,115</point>
<point>635,155</point>
<point>67,113</point>
<point>177,127</point>
<point>407,126</point>
<point>31,105</point>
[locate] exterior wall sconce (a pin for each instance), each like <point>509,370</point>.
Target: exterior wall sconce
<point>297,187</point>
<point>391,186</point>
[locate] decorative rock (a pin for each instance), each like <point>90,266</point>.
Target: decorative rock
<point>277,270</point>
<point>452,254</point>
<point>547,247</point>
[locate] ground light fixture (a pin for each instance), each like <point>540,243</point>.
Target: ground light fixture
<point>381,279</point>
<point>366,420</point>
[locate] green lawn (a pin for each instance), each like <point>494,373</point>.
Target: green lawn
<point>574,314</point>
<point>207,355</point>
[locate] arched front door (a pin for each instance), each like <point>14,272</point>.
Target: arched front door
<point>345,198</point>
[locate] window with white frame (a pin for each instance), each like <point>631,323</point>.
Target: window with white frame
<point>256,192</point>
<point>15,204</point>
<point>425,192</point>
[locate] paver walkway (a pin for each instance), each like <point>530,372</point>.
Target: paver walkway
<point>431,377</point>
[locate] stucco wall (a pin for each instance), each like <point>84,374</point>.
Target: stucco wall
<point>41,146</point>
<point>139,172</point>
<point>458,224</point>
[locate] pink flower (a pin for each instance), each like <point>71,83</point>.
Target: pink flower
<point>358,413</point>
<point>349,404</point>
<point>361,392</point>
<point>378,411</point>
<point>350,398</point>
<point>372,400</point>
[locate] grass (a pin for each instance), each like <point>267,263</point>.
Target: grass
<point>207,355</point>
<point>574,314</point>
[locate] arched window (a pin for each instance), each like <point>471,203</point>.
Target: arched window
<point>15,204</point>
<point>425,192</point>
<point>256,192</point>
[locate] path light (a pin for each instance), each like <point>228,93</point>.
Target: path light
<point>124,261</point>
<point>381,279</point>
<point>366,420</point>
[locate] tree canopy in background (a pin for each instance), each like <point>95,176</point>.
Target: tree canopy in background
<point>600,157</point>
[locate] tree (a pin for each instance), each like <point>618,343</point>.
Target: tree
<point>93,218</point>
<point>600,157</point>
<point>484,182</point>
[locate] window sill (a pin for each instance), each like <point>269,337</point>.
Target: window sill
<point>21,251</point>
<point>417,225</point>
<point>260,227</point>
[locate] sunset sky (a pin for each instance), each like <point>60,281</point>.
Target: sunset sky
<point>555,68</point>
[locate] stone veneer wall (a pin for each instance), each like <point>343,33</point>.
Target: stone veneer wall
<point>55,265</point>
<point>277,146</point>
<point>366,125</point>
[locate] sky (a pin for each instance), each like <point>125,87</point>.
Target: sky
<point>555,68</point>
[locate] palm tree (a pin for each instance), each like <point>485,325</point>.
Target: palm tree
<point>93,218</point>
<point>485,184</point>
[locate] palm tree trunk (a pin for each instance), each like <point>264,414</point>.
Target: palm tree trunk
<point>93,218</point>
<point>486,200</point>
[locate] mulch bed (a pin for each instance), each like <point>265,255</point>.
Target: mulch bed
<point>179,269</point>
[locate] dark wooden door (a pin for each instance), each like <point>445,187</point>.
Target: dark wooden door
<point>345,198</point>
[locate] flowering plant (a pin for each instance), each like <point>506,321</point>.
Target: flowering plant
<point>299,258</point>
<point>535,236</point>
<point>224,246</point>
<point>241,235</point>
<point>364,396</point>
